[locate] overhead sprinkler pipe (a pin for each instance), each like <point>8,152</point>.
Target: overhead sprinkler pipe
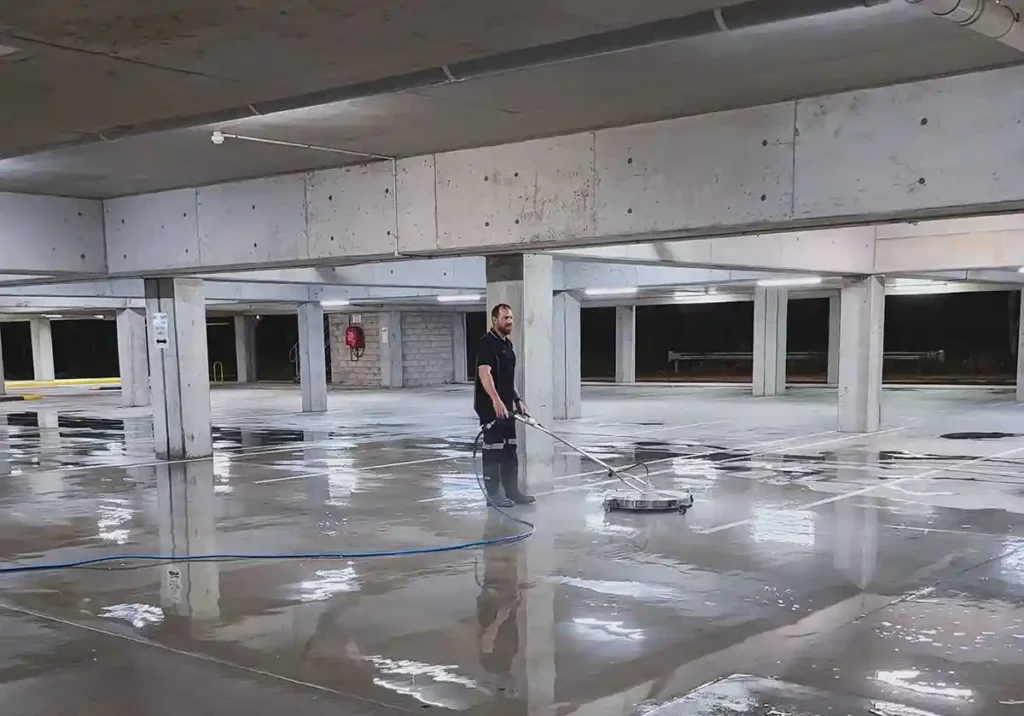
<point>990,18</point>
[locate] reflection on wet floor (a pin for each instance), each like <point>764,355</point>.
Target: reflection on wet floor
<point>818,572</point>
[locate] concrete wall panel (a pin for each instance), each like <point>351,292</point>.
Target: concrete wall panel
<point>911,147</point>
<point>352,211</point>
<point>515,196</point>
<point>154,230</point>
<point>417,210</point>
<point>253,222</point>
<point>47,234</point>
<point>694,172</point>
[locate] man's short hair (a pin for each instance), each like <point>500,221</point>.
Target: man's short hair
<point>496,311</point>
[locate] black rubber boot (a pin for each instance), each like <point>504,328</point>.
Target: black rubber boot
<point>511,485</point>
<point>494,495</point>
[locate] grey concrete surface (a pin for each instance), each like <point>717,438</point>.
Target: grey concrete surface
<point>817,573</point>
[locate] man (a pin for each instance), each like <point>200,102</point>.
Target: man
<point>496,399</point>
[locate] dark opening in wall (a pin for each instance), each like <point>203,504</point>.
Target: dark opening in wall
<point>477,324</point>
<point>277,338</point>
<point>597,343</point>
<point>220,347</point>
<point>16,337</point>
<point>83,349</point>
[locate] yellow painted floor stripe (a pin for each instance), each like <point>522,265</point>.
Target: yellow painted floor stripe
<point>61,383</point>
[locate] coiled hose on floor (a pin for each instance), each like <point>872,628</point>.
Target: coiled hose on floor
<point>129,561</point>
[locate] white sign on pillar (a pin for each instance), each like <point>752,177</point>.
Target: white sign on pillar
<point>161,331</point>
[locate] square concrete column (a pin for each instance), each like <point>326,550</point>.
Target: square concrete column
<point>42,349</point>
<point>133,357</point>
<point>312,358</point>
<point>391,371</point>
<point>459,357</point>
<point>3,384</point>
<point>179,368</point>
<point>567,372</point>
<point>625,344</point>
<point>1020,353</point>
<point>834,317</point>
<point>524,282</point>
<point>861,333</point>
<point>245,348</point>
<point>770,317</point>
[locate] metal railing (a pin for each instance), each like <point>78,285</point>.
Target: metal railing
<point>675,358</point>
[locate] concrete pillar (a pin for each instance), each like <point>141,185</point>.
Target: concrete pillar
<point>3,385</point>
<point>770,316</point>
<point>245,348</point>
<point>42,349</point>
<point>834,314</point>
<point>179,368</point>
<point>459,358</point>
<point>1020,353</point>
<point>524,282</point>
<point>133,357</point>
<point>860,355</point>
<point>312,358</point>
<point>625,344</point>
<point>391,371</point>
<point>567,372</point>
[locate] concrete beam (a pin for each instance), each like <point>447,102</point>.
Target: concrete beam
<point>759,169</point>
<point>51,235</point>
<point>838,251</point>
<point>983,242</point>
<point>465,272</point>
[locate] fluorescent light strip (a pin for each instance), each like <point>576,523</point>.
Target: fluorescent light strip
<point>467,298</point>
<point>795,281</point>
<point>337,303</point>
<point>621,291</point>
<point>710,297</point>
<point>52,316</point>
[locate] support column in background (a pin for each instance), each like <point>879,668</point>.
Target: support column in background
<point>133,357</point>
<point>1020,353</point>
<point>861,333</point>
<point>625,344</point>
<point>568,377</point>
<point>391,370</point>
<point>3,385</point>
<point>245,348</point>
<point>312,358</point>
<point>179,368</point>
<point>524,282</point>
<point>770,317</point>
<point>42,349</point>
<point>834,315</point>
<point>459,353</point>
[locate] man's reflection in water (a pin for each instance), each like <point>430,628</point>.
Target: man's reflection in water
<point>497,607</point>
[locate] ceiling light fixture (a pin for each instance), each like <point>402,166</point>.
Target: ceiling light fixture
<point>621,291</point>
<point>710,297</point>
<point>795,281</point>
<point>921,287</point>
<point>218,137</point>
<point>99,316</point>
<point>459,298</point>
<point>52,316</point>
<point>336,303</point>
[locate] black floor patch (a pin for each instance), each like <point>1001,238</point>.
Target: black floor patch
<point>978,436</point>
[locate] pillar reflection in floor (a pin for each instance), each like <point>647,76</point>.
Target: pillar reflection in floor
<point>188,527</point>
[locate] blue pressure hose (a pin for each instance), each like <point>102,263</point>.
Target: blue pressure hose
<point>242,556</point>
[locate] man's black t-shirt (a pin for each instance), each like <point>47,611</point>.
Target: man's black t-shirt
<point>499,354</point>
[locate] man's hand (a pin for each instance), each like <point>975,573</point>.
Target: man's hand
<point>521,408</point>
<point>500,410</point>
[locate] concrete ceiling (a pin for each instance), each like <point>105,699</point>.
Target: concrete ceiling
<point>91,67</point>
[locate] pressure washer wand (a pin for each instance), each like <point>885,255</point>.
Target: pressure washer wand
<point>628,480</point>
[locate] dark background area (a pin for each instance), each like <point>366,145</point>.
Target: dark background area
<point>977,333</point>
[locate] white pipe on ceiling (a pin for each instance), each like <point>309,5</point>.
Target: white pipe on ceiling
<point>991,18</point>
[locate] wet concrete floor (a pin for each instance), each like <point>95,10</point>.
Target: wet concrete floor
<point>818,573</point>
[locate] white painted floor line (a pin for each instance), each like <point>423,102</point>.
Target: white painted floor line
<point>870,488</point>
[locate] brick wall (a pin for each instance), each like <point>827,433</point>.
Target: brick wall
<point>364,372</point>
<point>427,357</point>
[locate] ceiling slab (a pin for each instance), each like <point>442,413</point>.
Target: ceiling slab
<point>800,58</point>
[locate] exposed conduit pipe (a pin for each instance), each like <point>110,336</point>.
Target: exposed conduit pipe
<point>990,18</point>
<point>754,13</point>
